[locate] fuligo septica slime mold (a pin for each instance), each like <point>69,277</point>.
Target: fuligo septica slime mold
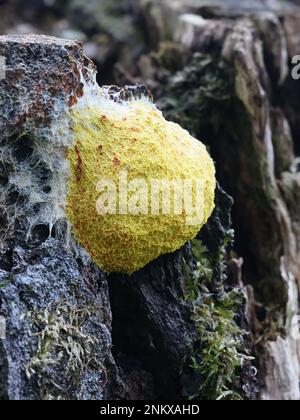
<point>139,187</point>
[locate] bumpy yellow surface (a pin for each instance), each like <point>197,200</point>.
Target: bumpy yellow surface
<point>141,142</point>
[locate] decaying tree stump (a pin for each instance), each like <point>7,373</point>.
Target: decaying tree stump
<point>54,300</point>
<point>238,94</point>
<point>223,71</point>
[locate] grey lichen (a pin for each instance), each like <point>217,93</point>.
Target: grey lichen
<point>205,90</point>
<point>194,96</point>
<point>63,341</point>
<point>58,342</point>
<point>219,356</point>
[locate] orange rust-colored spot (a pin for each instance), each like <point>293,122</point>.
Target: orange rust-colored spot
<point>88,247</point>
<point>72,101</point>
<point>116,161</point>
<point>103,118</point>
<point>79,164</point>
<point>136,129</point>
<point>133,141</point>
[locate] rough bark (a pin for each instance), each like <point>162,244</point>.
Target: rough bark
<point>54,300</point>
<point>222,70</point>
<point>239,95</point>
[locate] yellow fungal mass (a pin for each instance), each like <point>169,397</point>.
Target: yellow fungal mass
<point>119,211</point>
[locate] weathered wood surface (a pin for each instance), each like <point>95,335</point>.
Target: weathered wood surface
<point>239,96</point>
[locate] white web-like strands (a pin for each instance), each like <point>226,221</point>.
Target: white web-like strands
<point>2,67</point>
<point>32,188</point>
<point>111,100</point>
<point>33,180</point>
<point>34,169</point>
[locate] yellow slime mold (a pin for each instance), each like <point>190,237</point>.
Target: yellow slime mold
<point>121,152</point>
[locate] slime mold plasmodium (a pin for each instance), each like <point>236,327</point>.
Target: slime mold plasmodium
<point>129,147</point>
